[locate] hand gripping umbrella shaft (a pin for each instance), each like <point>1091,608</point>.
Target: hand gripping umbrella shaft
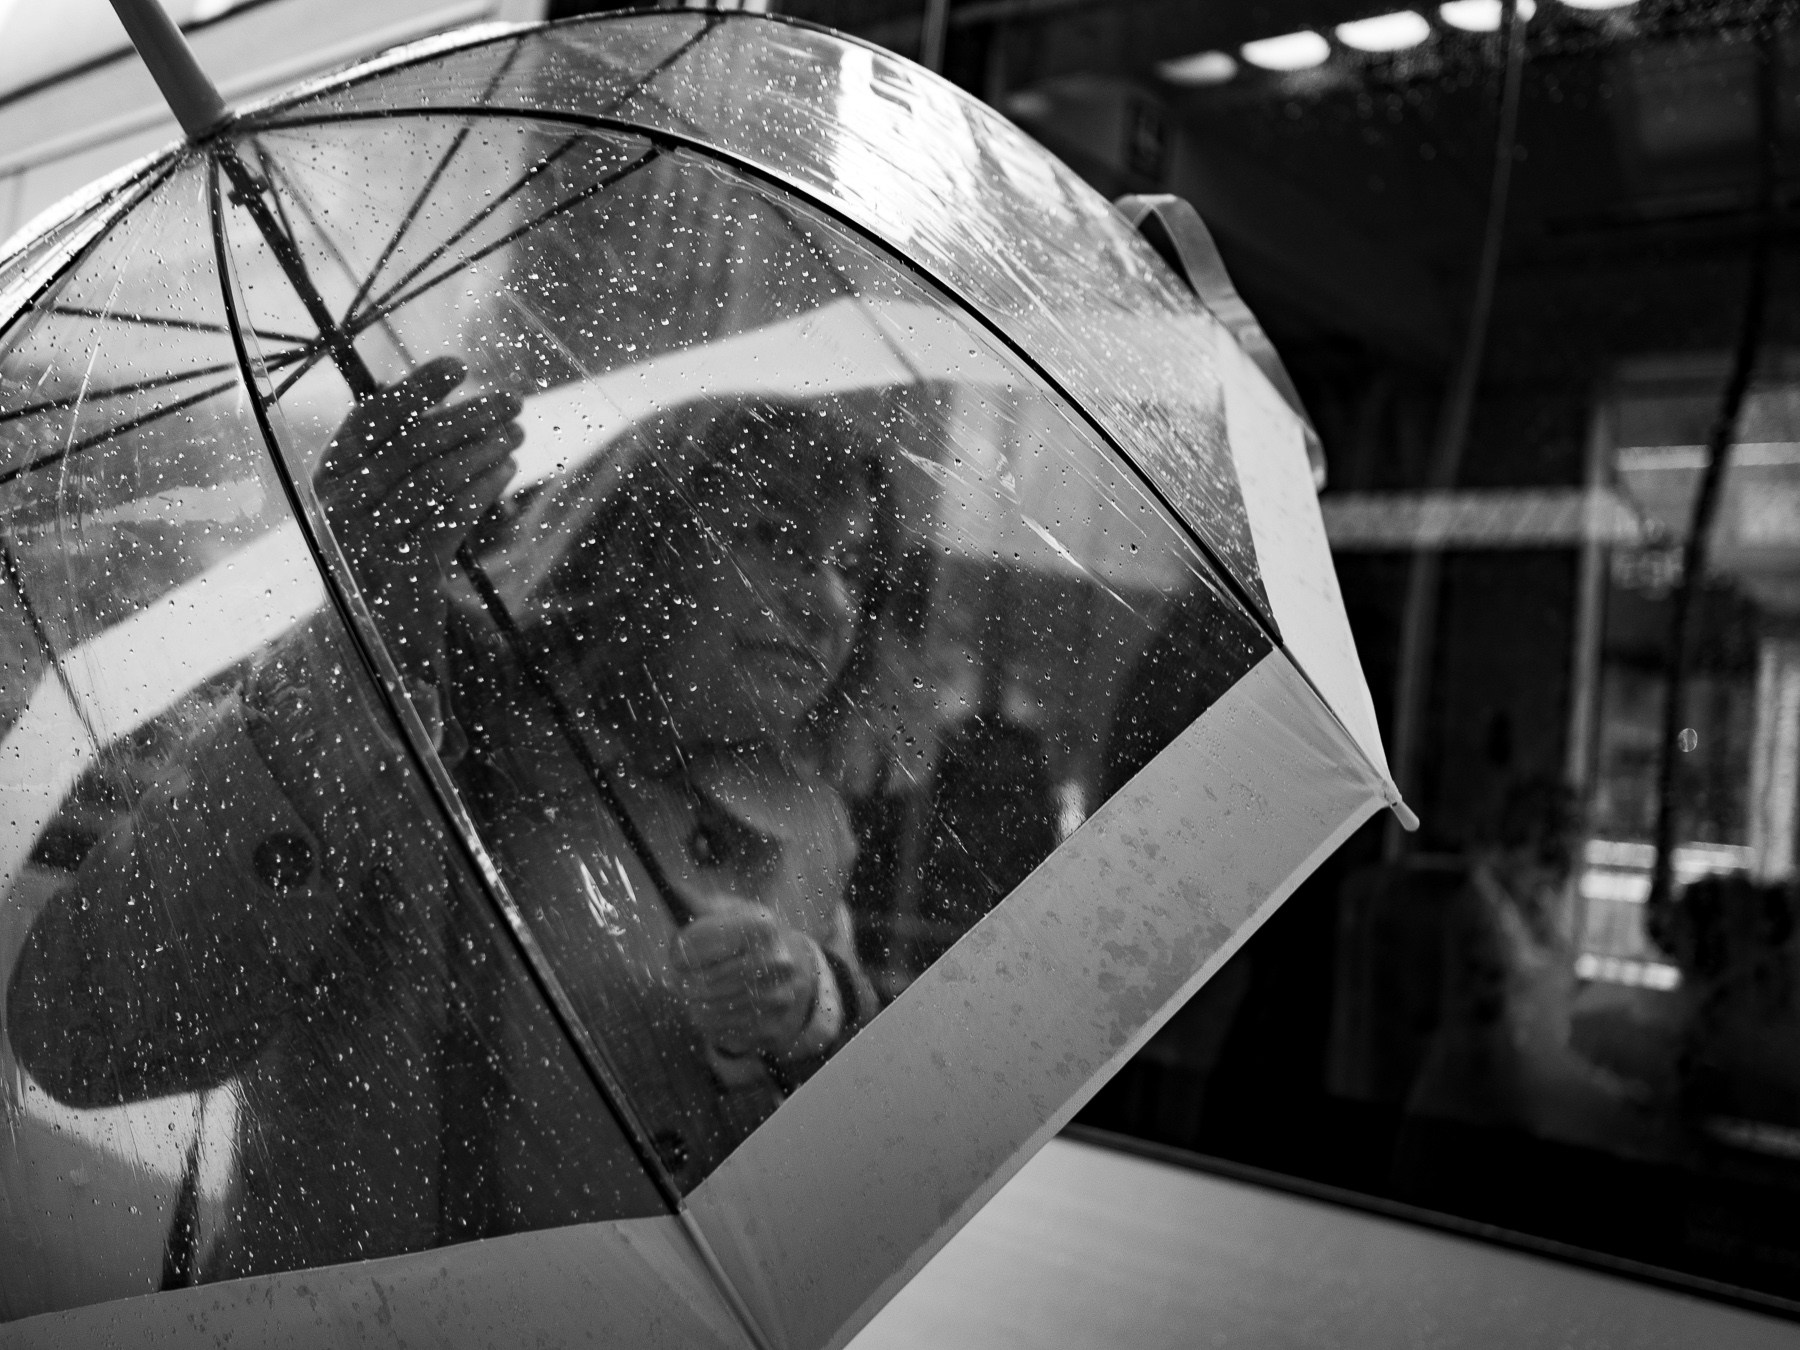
<point>197,105</point>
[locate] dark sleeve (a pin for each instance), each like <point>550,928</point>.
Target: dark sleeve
<point>993,819</point>
<point>270,877</point>
<point>170,960</point>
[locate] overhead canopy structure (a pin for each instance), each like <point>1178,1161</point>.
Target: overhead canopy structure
<point>872,466</point>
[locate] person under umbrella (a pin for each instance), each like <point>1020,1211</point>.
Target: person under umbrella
<point>637,739</point>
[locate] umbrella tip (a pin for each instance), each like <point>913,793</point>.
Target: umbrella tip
<point>190,95</point>
<point>1404,814</point>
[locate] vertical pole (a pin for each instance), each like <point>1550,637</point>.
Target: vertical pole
<point>190,95</point>
<point>1590,602</point>
<point>934,27</point>
<point>1585,655</point>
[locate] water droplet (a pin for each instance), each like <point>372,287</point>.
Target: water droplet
<point>1687,740</point>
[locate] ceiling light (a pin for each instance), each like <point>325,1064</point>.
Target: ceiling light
<point>1385,32</point>
<point>1481,16</point>
<point>1029,105</point>
<point>1290,51</point>
<point>1198,70</point>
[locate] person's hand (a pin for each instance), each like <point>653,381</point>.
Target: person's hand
<point>402,486</point>
<point>750,983</point>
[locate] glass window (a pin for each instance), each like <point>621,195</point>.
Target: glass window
<point>258,1015</point>
<point>1494,1021</point>
<point>1707,967</point>
<point>786,622</point>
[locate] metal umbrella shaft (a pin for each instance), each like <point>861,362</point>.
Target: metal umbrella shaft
<point>202,113</point>
<point>190,95</point>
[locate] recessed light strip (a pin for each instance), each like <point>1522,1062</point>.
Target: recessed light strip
<point>1301,50</point>
<point>1385,32</point>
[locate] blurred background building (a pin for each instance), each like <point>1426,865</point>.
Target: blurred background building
<point>1559,1059</point>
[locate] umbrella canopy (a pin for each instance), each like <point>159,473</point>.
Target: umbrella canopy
<point>889,662</point>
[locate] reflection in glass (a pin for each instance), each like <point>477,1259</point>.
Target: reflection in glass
<point>1503,1026</point>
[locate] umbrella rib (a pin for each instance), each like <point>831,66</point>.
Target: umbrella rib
<point>710,24</point>
<point>305,357</point>
<point>335,340</point>
<point>392,302</point>
<point>431,182</point>
<point>381,304</point>
<point>490,597</point>
<point>664,139</point>
<point>356,79</point>
<point>310,360</point>
<point>117,391</point>
<point>15,578</point>
<point>679,910</point>
<point>273,172</point>
<point>341,587</point>
<point>484,586</point>
<point>456,145</point>
<point>287,226</point>
<point>118,203</point>
<point>100,438</point>
<point>966,305</point>
<point>161,321</point>
<point>308,352</point>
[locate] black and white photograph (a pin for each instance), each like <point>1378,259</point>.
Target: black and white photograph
<point>880,674</point>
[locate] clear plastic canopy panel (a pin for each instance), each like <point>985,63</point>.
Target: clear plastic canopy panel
<point>807,616</point>
<point>954,188</point>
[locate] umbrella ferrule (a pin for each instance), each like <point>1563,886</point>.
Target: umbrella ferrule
<point>191,96</point>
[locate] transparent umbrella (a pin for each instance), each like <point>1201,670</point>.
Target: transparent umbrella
<point>695,805</point>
